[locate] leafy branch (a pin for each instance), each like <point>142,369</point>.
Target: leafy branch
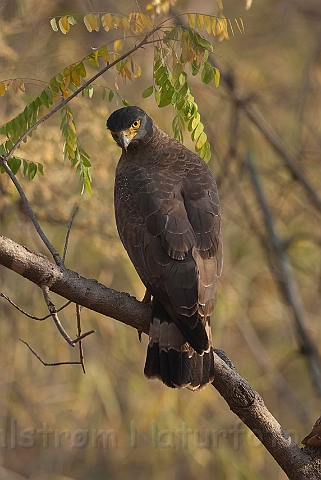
<point>183,46</point>
<point>67,84</point>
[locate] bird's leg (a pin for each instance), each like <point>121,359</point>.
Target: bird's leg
<point>147,299</point>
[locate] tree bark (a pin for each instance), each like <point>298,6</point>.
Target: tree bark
<point>249,406</point>
<point>70,285</point>
<point>242,399</point>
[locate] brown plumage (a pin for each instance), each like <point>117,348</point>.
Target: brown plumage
<point>168,218</point>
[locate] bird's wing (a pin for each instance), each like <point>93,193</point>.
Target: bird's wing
<point>168,220</point>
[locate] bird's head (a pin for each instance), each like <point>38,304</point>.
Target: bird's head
<point>129,125</point>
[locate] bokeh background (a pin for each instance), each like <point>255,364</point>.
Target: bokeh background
<point>57,423</point>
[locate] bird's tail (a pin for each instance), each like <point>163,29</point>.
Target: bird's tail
<point>171,358</point>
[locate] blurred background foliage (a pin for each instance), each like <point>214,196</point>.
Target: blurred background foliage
<point>57,423</point>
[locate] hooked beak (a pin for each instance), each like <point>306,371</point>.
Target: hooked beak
<point>124,140</point>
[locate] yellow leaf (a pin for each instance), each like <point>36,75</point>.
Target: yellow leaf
<point>221,28</point>
<point>139,72</point>
<point>213,21</point>
<point>164,6</point>
<point>64,25</point>
<point>53,24</point>
<point>66,93</point>
<point>87,23</point>
<point>191,20</point>
<point>64,85</point>
<point>66,71</point>
<point>240,25</point>
<point>103,51</point>
<point>125,23</point>
<point>107,21</point>
<point>195,121</point>
<point>185,46</point>
<point>118,23</point>
<point>70,152</point>
<point>231,26</point>
<point>225,29</point>
<point>200,21</point>
<point>75,77</point>
<point>132,64</point>
<point>201,140</point>
<point>198,130</point>
<point>135,23</point>
<point>72,126</point>
<point>118,45</point>
<point>2,89</point>
<point>207,19</point>
<point>147,23</point>
<point>93,20</point>
<point>22,85</point>
<point>127,73</point>
<point>15,85</point>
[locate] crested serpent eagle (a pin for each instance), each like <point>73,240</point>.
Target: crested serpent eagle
<point>168,218</point>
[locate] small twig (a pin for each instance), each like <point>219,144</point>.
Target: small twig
<point>53,312</point>
<point>55,364</point>
<point>39,319</point>
<point>81,352</point>
<point>42,235</point>
<point>68,234</point>
<point>84,335</point>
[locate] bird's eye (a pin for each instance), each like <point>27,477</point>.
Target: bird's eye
<point>136,124</point>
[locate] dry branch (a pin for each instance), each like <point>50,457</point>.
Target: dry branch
<point>46,364</point>
<point>249,406</point>
<point>72,286</point>
<point>41,233</point>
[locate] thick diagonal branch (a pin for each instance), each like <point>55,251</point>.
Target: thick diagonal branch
<point>236,390</point>
<point>72,286</point>
<point>249,406</point>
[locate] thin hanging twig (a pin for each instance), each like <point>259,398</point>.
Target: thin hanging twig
<point>46,364</point>
<point>81,352</point>
<point>68,234</point>
<point>42,235</point>
<point>53,312</point>
<point>39,319</point>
